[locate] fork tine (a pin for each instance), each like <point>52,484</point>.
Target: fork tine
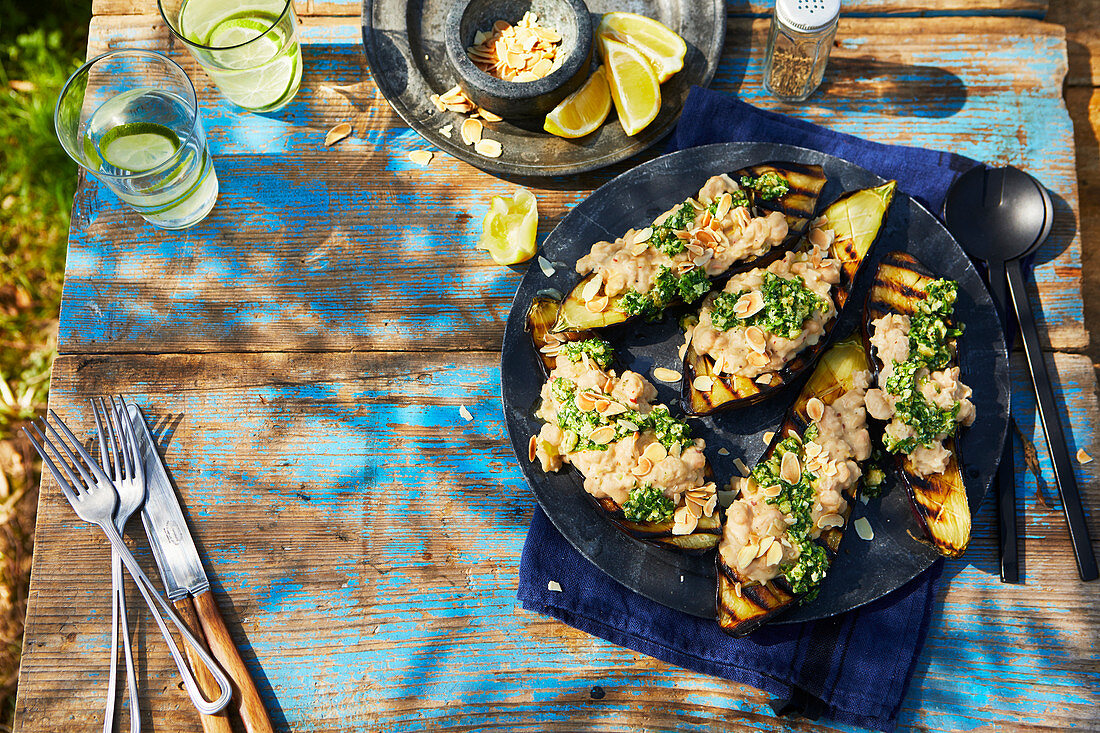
<point>112,424</point>
<point>89,462</point>
<point>101,437</point>
<point>131,438</point>
<point>120,420</point>
<point>69,489</point>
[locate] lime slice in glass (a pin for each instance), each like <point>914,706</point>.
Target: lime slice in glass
<point>138,146</point>
<point>264,87</point>
<point>258,48</point>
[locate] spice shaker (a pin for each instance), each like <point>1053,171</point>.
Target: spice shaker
<point>799,42</point>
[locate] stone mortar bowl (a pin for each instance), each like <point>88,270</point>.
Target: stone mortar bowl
<point>510,99</point>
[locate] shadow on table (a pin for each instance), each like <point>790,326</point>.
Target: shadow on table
<point>878,87</point>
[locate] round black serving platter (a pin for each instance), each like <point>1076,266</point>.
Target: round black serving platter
<point>864,571</point>
<point>405,49</point>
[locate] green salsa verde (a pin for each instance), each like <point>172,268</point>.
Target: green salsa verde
<point>787,305</point>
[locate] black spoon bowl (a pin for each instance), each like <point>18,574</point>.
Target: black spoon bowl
<point>1001,215</point>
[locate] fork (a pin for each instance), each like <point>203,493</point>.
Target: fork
<point>94,499</point>
<point>119,466</point>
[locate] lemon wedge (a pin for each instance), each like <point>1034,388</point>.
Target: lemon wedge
<point>634,86</point>
<point>582,111</point>
<point>664,48</point>
<point>508,230</point>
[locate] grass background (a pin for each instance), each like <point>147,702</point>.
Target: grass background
<point>41,44</point>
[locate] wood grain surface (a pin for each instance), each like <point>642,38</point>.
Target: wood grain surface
<point>305,351</point>
<point>363,542</point>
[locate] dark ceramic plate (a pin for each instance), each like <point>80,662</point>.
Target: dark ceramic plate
<point>864,571</point>
<point>404,44</point>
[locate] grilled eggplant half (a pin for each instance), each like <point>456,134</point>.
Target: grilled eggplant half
<point>743,604</point>
<point>797,205</point>
<point>939,501</point>
<point>541,317</point>
<point>855,221</point>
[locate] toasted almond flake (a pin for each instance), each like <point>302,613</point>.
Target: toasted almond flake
<point>445,131</point>
<point>741,467</point>
<point>755,303</point>
<point>662,218</point>
<point>815,408</point>
<point>655,452</point>
<point>546,267</point>
<point>772,491</point>
<point>775,554</point>
<point>337,133</point>
<point>488,116</point>
<point>553,586</point>
<point>812,449</point>
<point>789,469</point>
<point>746,555</point>
<point>569,440</point>
<point>830,520</point>
<point>627,425</point>
<point>643,236</point>
<point>584,403</point>
<point>703,259</point>
<point>768,437</point>
<point>421,157</point>
<point>758,342</point>
<point>489,148</point>
<point>602,405</point>
<point>703,383</point>
<point>551,349</point>
<point>821,237</point>
<point>643,468</point>
<point>706,236</point>
<point>438,103</point>
<point>765,545</point>
<point>592,288</point>
<point>764,379</point>
<point>676,449</point>
<point>597,305</point>
<point>694,249</point>
<point>465,413</point>
<point>686,522</point>
<point>725,203</point>
<point>723,452</point>
<point>706,219</point>
<point>615,408</point>
<point>602,436</point>
<point>737,589</point>
<point>637,248</point>
<point>667,375</point>
<point>1083,457</point>
<point>682,235</point>
<point>471,130</point>
<point>532,448</point>
<point>863,529</point>
<point>682,351</point>
<point>757,359</point>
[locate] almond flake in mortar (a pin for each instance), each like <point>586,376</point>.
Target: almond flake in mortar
<point>667,375</point>
<point>863,529</point>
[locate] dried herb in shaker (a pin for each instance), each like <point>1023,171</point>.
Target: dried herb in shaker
<point>799,42</point>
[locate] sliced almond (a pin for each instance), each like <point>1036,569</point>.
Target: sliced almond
<point>737,589</point>
<point>723,452</point>
<point>812,449</point>
<point>591,288</point>
<point>1083,457</point>
<point>703,383</point>
<point>821,237</point>
<point>546,267</point>
<point>655,452</point>
<point>830,520</point>
<point>584,402</point>
<point>421,157</point>
<point>676,450</point>
<point>438,103</point>
<point>703,259</point>
<point>741,307</point>
<point>602,405</point>
<point>741,467</point>
<point>768,437</point>
<point>643,468</point>
<point>789,469</point>
<point>757,360</point>
<point>445,131</point>
<point>765,545</point>
<point>771,491</point>
<point>815,408</point>
<point>628,425</point>
<point>755,303</point>
<point>667,375</point>
<point>553,586</point>
<point>764,379</point>
<point>725,203</point>
<point>532,448</point>
<point>337,133</point>
<point>597,305</point>
<point>694,249</point>
<point>471,130</point>
<point>489,148</point>
<point>638,248</point>
<point>756,339</point>
<point>742,217</point>
<point>602,436</point>
<point>706,236</point>
<point>643,236</point>
<point>488,116</point>
<point>615,408</point>
<point>775,554</point>
<point>746,556</point>
<point>863,529</point>
<point>685,521</point>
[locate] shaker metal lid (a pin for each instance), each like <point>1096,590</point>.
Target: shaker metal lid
<point>807,15</point>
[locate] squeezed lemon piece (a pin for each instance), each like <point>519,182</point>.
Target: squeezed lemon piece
<point>634,86</point>
<point>508,230</point>
<point>661,46</point>
<point>582,111</point>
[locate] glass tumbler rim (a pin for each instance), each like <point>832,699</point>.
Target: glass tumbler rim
<point>164,165</point>
<point>287,8</point>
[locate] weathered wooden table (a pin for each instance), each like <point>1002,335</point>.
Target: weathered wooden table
<point>308,348</point>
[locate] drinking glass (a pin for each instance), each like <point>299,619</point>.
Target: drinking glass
<point>249,48</point>
<point>131,119</point>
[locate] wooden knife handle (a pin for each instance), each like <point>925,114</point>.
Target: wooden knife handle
<point>246,696</point>
<point>219,722</point>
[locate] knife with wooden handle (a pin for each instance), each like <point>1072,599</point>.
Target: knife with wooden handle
<point>185,580</point>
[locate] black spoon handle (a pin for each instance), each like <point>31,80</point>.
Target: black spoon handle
<point>1006,471</point>
<point>1052,428</point>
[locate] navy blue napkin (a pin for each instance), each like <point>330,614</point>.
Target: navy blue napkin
<point>853,668</point>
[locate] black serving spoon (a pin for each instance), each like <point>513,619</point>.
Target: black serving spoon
<point>1001,215</point>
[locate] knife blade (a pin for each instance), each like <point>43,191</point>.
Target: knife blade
<point>186,583</point>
